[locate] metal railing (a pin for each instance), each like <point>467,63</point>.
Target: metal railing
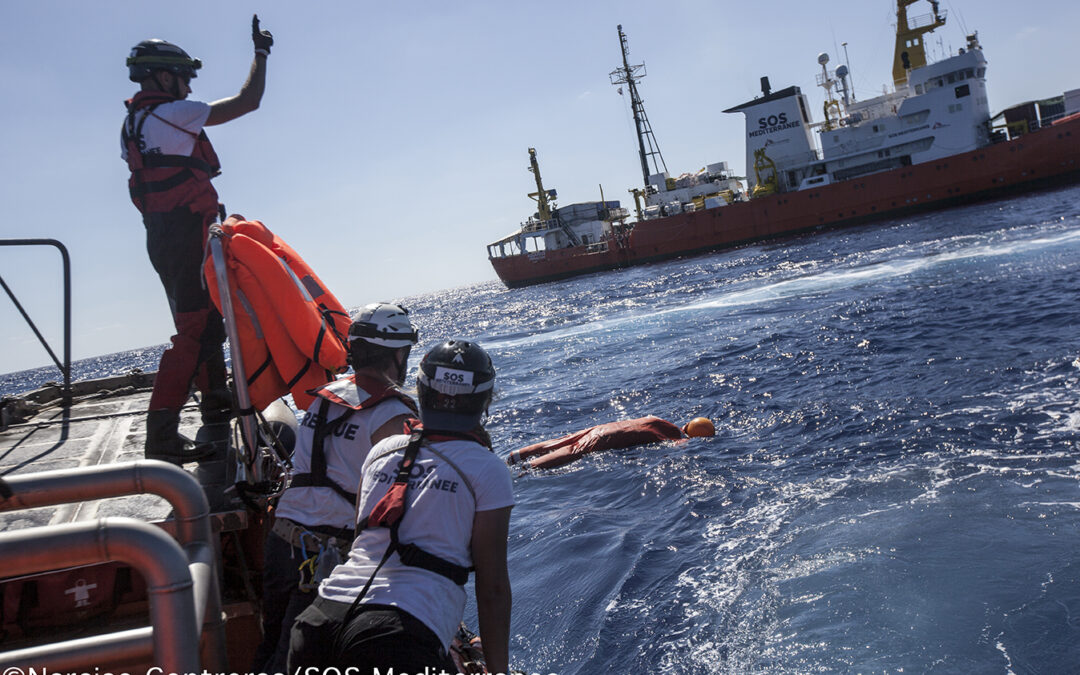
<point>248,469</point>
<point>65,367</point>
<point>182,579</point>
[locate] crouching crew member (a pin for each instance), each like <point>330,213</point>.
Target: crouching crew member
<point>610,436</point>
<point>433,506</point>
<point>171,162</point>
<point>314,518</point>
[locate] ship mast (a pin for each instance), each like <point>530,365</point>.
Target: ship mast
<point>542,196</point>
<point>629,75</point>
<point>910,45</point>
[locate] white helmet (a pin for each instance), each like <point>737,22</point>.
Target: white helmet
<point>383,324</point>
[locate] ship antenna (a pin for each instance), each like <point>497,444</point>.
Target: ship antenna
<point>847,62</point>
<point>629,75</point>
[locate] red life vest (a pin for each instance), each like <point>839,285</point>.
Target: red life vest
<point>160,183</point>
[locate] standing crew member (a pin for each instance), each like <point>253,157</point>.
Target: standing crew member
<point>433,505</point>
<point>171,162</point>
<point>315,517</point>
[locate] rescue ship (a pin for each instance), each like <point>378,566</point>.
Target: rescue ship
<point>929,144</point>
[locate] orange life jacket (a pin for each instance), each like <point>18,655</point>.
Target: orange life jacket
<point>160,183</point>
<point>291,329</point>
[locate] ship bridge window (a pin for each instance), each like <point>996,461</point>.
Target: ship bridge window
<point>950,78</point>
<point>963,90</point>
<point>980,72</point>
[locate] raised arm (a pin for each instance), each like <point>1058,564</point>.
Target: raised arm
<point>493,596</point>
<point>251,93</point>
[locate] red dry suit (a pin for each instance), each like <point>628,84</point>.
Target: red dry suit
<point>178,203</point>
<point>610,436</point>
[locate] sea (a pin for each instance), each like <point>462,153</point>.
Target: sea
<point>894,486</point>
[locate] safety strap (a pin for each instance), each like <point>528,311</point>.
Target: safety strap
<point>156,161</point>
<point>317,476</point>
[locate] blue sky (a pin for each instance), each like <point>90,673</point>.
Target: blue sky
<point>391,145</point>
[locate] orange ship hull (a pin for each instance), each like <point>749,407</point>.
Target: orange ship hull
<point>1044,158</point>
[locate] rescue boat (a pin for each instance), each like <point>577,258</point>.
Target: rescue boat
<point>930,143</point>
<point>110,563</point>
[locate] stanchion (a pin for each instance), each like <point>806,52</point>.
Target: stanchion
<point>248,470</point>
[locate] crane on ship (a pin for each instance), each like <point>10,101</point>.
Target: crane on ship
<point>910,48</point>
<point>629,75</point>
<point>545,203</point>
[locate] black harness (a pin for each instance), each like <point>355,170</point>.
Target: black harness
<point>317,477</point>
<point>389,512</point>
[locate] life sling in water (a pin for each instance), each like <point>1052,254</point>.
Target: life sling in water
<point>290,327</point>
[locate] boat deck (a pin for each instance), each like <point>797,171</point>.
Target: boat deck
<point>106,424</point>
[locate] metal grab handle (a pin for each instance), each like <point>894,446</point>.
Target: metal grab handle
<point>148,549</point>
<point>192,517</point>
<point>65,367</point>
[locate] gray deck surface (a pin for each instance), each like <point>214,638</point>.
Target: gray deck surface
<point>100,428</point>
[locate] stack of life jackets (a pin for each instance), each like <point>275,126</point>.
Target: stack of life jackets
<point>291,329</point>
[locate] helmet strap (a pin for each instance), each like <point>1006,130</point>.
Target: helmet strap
<point>402,363</point>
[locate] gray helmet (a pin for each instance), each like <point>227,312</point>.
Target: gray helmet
<point>383,324</point>
<point>151,55</point>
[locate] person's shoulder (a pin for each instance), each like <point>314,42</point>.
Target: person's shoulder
<point>386,447</point>
<point>183,105</point>
<point>184,112</point>
<point>390,443</point>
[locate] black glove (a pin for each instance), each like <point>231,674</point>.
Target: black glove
<point>262,38</point>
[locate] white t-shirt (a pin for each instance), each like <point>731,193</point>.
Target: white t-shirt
<point>159,132</point>
<point>438,519</point>
<point>346,450</point>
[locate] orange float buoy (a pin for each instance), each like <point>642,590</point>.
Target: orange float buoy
<point>699,427</point>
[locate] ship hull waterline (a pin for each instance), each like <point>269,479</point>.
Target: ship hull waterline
<point>1044,158</point>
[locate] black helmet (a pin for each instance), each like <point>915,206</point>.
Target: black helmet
<point>454,385</point>
<point>151,55</point>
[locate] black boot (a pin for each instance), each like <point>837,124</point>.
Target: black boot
<point>216,407</point>
<point>216,403</point>
<point>164,442</point>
